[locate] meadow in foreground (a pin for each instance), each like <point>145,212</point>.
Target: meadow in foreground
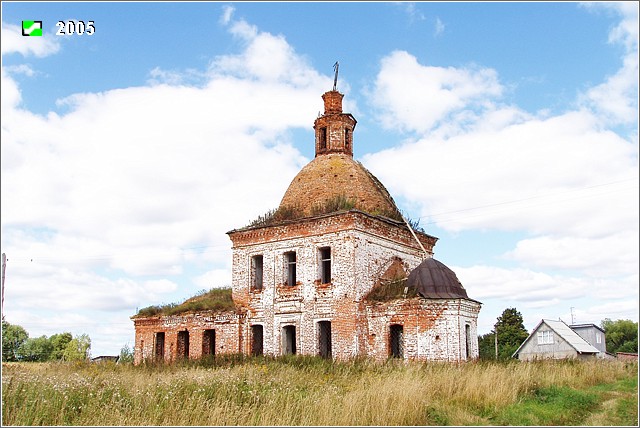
<point>300,390</point>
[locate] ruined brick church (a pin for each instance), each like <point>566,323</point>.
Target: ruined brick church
<point>335,271</point>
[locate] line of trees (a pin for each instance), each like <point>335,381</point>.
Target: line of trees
<point>620,336</point>
<point>18,346</point>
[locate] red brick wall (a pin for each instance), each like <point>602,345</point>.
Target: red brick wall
<point>227,326</point>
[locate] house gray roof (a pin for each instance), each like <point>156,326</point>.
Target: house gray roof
<point>565,332</point>
<point>572,338</point>
<point>574,326</point>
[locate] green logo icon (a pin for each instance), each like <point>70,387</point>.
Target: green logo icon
<point>32,28</point>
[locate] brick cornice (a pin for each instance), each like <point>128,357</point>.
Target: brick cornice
<point>331,223</point>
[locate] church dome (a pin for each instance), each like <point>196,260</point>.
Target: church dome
<point>433,280</point>
<point>335,181</point>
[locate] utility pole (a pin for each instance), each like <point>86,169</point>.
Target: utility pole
<point>495,335</point>
<point>4,268</point>
<point>572,319</point>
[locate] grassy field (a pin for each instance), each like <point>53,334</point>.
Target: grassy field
<point>309,391</point>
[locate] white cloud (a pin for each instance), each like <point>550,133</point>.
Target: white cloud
<point>198,144</point>
<point>195,173</point>
<point>124,199</point>
<point>227,14</point>
<point>537,294</point>
<point>616,99</point>
<point>414,97</point>
<point>567,181</point>
<point>21,69</point>
<point>10,96</point>
<point>12,41</point>
<point>605,256</point>
<point>215,278</point>
<point>267,58</point>
<point>540,175</point>
<point>412,11</point>
<point>439,27</point>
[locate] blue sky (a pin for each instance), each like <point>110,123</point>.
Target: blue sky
<point>509,129</point>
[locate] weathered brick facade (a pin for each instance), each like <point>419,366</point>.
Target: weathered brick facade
<point>301,285</point>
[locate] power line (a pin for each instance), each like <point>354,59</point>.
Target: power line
<point>516,201</point>
<point>220,247</point>
<point>104,257</point>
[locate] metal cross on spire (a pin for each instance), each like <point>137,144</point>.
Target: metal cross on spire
<point>335,78</point>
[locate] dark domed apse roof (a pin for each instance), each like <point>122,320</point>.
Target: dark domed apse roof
<point>433,280</point>
<point>334,173</point>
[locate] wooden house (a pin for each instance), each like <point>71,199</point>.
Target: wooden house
<point>556,340</point>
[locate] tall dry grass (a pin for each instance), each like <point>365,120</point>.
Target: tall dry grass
<point>291,391</point>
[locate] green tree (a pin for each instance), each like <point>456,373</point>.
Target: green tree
<point>59,342</point>
<point>486,346</point>
<point>126,354</point>
<point>77,349</point>
<point>13,336</point>
<point>35,349</point>
<point>511,332</point>
<point>621,335</point>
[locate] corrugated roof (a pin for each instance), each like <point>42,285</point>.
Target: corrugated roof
<point>565,332</point>
<point>574,326</point>
<point>571,337</point>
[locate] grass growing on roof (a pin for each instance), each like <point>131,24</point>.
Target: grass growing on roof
<point>216,299</point>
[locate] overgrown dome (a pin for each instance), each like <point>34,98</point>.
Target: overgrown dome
<point>337,177</point>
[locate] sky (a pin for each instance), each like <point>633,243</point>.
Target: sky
<point>508,130</point>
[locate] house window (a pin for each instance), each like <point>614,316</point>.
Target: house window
<point>325,265</point>
<point>322,137</point>
<point>545,337</point>
<point>290,268</point>
<point>256,272</point>
<point>598,338</point>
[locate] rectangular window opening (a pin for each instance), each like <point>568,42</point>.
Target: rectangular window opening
<point>159,351</point>
<point>257,340</point>
<point>347,138</point>
<point>467,335</point>
<point>290,268</point>
<point>256,272</point>
<point>183,344</point>
<point>289,339</point>
<point>396,341</point>
<point>209,342</point>
<point>325,265</point>
<point>324,339</point>
<point>322,136</point>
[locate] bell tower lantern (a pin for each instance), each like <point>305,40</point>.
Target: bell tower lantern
<point>334,129</point>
